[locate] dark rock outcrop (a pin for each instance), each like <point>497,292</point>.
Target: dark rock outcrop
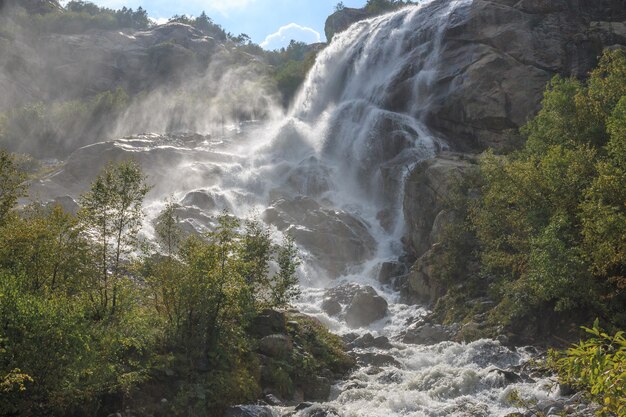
<point>342,19</point>
<point>495,60</point>
<point>427,191</point>
<point>365,308</point>
<point>73,65</point>
<point>248,411</point>
<point>363,304</point>
<point>336,239</point>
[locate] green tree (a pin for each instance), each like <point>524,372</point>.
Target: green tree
<point>112,212</point>
<point>285,285</point>
<point>12,185</point>
<point>46,247</point>
<point>551,220</point>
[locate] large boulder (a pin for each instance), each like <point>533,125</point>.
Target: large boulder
<point>428,188</point>
<point>336,240</point>
<point>363,305</point>
<point>422,281</point>
<point>365,308</point>
<point>276,346</point>
<point>248,411</point>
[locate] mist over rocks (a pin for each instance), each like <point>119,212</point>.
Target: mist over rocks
<point>336,239</point>
<point>66,66</point>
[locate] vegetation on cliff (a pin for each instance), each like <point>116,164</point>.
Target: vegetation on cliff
<point>93,319</point>
<point>542,240</point>
<point>51,115</point>
<point>547,224</point>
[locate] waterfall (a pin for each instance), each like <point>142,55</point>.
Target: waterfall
<point>331,174</point>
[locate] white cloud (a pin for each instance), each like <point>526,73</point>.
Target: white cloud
<point>159,20</point>
<point>285,34</point>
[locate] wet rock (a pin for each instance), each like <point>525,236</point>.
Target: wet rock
<point>303,406</point>
<point>343,293</point>
<point>271,399</point>
<point>199,198</point>
<point>318,410</point>
<point>376,359</point>
<point>268,322</point>
<point>309,178</point>
<point>427,189</point>
<point>316,389</point>
<point>331,307</point>
<point>365,308</point>
<point>374,370</point>
<point>429,334</point>
<point>248,411</point>
<point>392,377</point>
<point>422,282</point>
<point>566,390</point>
<point>348,338</point>
<point>501,378</point>
<point>336,239</point>
<point>276,346</point>
<point>368,341</point>
<point>390,271</point>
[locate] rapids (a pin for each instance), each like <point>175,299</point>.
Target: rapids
<point>346,145</point>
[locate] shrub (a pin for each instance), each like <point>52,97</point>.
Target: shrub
<point>597,366</point>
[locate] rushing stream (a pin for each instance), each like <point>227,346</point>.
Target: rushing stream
<point>335,166</point>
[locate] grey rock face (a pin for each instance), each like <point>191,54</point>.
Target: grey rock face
<point>365,308</point>
<point>248,411</point>
<point>427,189</point>
<point>429,334</point>
<point>331,307</point>
<point>336,239</point>
<point>276,345</point>
<point>363,304</point>
<point>72,65</point>
<point>496,58</point>
<point>341,19</point>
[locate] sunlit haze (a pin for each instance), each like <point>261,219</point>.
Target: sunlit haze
<point>269,23</point>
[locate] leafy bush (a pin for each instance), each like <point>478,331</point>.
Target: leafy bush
<point>551,219</point>
<point>598,366</point>
<point>543,229</point>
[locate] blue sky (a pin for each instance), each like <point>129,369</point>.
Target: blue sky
<point>270,23</point>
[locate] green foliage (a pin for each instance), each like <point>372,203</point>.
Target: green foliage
<point>598,366</point>
<point>291,66</point>
<point>80,16</point>
<point>12,184</point>
<point>551,218</point>
<point>112,212</point>
<point>383,6</point>
<point>47,247</point>
<point>58,128</point>
<point>112,322</point>
<point>542,230</point>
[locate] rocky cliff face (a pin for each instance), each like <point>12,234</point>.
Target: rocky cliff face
<point>342,19</point>
<point>500,55</point>
<point>497,56</point>
<point>66,66</point>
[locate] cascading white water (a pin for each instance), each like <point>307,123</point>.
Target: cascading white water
<point>332,174</point>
